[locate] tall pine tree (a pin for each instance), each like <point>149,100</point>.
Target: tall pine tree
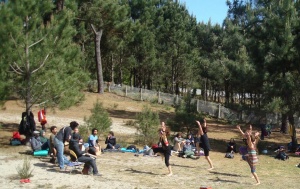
<point>43,63</point>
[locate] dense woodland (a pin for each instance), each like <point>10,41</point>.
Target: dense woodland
<point>50,49</point>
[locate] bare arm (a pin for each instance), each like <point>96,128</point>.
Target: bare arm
<point>200,132</point>
<point>256,138</point>
<point>204,123</point>
<point>239,128</point>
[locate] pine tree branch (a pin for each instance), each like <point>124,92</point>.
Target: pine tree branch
<point>41,65</point>
<point>36,43</point>
<point>93,28</point>
<point>17,70</point>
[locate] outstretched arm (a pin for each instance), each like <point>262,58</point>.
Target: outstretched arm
<point>200,132</point>
<point>204,123</point>
<point>239,128</point>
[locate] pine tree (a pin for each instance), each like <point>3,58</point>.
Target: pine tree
<point>43,63</point>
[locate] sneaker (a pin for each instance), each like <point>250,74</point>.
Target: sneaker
<point>98,175</point>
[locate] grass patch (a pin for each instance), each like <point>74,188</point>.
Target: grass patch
<point>25,171</point>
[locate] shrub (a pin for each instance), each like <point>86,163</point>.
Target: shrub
<point>147,123</point>
<point>25,170</point>
<point>99,119</point>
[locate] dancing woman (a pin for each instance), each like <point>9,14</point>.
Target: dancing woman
<point>251,157</point>
<point>165,149</point>
<point>205,142</point>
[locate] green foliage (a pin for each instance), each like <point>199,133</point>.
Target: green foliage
<point>99,119</point>
<point>85,132</point>
<point>186,116</point>
<point>147,124</point>
<point>25,170</point>
<point>42,62</point>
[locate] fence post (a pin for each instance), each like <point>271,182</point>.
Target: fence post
<point>141,94</point>
<point>159,100</point>
<point>126,90</point>
<point>219,111</point>
<point>198,105</point>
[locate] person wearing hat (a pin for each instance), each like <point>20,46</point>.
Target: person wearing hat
<point>187,150</point>
<point>36,143</point>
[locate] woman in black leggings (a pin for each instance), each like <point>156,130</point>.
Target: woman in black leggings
<point>165,147</point>
<point>205,142</point>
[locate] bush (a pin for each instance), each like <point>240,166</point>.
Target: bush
<point>25,171</point>
<point>186,116</point>
<point>99,119</point>
<point>147,124</point>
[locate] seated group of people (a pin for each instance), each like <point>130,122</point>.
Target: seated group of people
<point>185,146</point>
<point>71,134</point>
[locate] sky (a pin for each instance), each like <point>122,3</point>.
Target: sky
<point>215,10</point>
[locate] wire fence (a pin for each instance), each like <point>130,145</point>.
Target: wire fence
<point>210,108</point>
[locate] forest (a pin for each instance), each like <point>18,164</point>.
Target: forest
<point>51,49</point>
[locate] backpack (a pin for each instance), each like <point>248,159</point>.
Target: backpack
<point>131,147</point>
<point>229,155</point>
<point>27,124</point>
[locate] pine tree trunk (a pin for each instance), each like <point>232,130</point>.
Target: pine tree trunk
<point>292,133</point>
<point>284,122</point>
<point>98,35</point>
<point>112,70</point>
<point>59,5</point>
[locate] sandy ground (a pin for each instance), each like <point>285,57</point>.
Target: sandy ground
<point>126,171</point>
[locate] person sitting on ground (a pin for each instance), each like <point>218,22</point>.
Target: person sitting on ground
<point>15,139</point>
<point>231,146</point>
<point>188,152</point>
<point>36,143</point>
<point>90,162</point>
<point>53,131</point>
<point>281,154</point>
<point>148,151</point>
<point>76,131</point>
<point>43,136</point>
<point>178,142</point>
<point>93,142</point>
<point>191,138</point>
<point>111,141</point>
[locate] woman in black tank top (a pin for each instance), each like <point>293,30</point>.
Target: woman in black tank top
<point>205,142</point>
